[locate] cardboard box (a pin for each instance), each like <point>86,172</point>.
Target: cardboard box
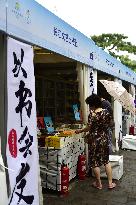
<point>117,167</point>
<point>54,141</point>
<point>61,140</point>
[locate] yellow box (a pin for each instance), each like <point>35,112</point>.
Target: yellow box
<point>54,141</point>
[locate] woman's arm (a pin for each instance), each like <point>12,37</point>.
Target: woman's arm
<point>86,129</point>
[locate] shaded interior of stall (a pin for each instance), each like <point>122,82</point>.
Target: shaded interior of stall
<point>56,86</point>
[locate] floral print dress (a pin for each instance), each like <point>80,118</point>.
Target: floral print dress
<point>98,137</point>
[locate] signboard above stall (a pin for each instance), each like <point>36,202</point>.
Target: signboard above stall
<point>29,21</point>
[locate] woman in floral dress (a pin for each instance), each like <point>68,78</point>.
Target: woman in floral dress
<point>97,139</point>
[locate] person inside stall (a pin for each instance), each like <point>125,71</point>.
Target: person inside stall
<point>97,137</point>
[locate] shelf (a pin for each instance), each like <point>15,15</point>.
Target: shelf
<point>56,98</point>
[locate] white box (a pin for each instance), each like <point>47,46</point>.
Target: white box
<point>129,142</point>
<point>116,162</point>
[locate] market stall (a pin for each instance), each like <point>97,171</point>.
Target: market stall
<point>58,87</point>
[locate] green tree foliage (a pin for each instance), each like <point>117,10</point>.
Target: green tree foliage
<point>117,46</point>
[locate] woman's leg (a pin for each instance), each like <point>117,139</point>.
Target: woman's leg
<point>96,171</point>
<point>108,170</point>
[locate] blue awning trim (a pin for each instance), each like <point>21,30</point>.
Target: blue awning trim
<point>29,21</point>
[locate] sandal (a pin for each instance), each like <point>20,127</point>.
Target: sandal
<point>112,186</point>
<point>96,185</point>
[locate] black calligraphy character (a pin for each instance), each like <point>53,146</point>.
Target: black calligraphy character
<point>28,142</point>
<point>55,31</point>
<point>74,41</point>
<point>112,64</point>
<point>91,56</point>
<point>20,184</point>
<point>70,40</point>
<point>65,37</point>
<point>59,33</point>
<point>22,94</point>
<point>91,79</point>
<point>107,61</point>
<point>18,65</point>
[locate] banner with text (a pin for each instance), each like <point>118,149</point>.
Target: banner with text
<point>22,150</point>
<point>91,81</point>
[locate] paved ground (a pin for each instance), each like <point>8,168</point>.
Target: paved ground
<point>82,193</point>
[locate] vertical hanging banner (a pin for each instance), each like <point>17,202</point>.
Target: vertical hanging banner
<point>91,82</point>
<point>22,150</point>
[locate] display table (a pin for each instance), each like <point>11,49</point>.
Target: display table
<point>51,160</point>
<point>129,142</point>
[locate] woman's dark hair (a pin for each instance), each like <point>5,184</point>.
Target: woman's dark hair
<point>94,101</point>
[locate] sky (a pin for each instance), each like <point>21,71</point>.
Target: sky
<point>94,17</point>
